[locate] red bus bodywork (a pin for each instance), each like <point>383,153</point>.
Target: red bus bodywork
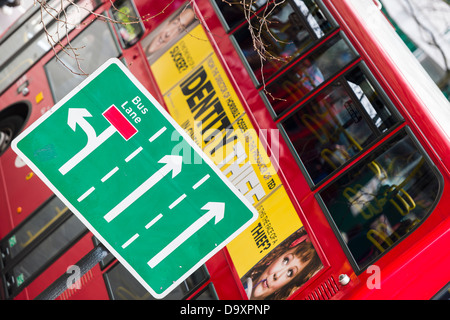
<point>415,268</point>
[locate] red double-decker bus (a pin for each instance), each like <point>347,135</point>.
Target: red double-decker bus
<point>313,109</point>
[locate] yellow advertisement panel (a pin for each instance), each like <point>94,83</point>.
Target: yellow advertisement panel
<point>182,58</point>
<point>277,221</point>
<point>240,155</point>
<point>204,102</point>
<point>201,98</point>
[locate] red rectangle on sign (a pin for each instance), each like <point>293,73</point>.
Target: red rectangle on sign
<point>118,120</point>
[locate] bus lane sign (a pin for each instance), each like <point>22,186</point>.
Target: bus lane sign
<point>114,156</point>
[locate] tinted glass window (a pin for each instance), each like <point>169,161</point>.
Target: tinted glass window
<point>379,201</point>
<point>285,29</point>
<point>325,134</point>
<point>98,45</point>
<point>209,293</point>
<point>443,294</point>
<point>370,99</point>
<point>233,11</point>
<point>30,43</point>
<point>314,16</point>
<point>309,73</point>
<point>130,29</point>
<point>47,250</point>
<point>336,124</point>
<point>123,286</point>
<point>33,228</point>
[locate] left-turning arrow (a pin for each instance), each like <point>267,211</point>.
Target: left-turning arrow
<point>215,210</point>
<point>173,163</point>
<point>77,117</point>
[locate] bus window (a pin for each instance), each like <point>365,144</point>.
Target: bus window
<point>233,14</point>
<point>123,286</point>
<point>130,29</point>
<point>31,229</point>
<point>98,43</point>
<point>382,199</point>
<point>290,28</point>
<point>336,124</point>
<point>46,251</point>
<point>309,73</point>
<point>443,294</point>
<point>32,39</point>
<point>370,99</point>
<point>25,33</point>
<point>208,293</point>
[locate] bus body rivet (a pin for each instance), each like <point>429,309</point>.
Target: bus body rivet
<point>344,279</point>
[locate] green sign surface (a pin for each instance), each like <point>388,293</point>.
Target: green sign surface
<point>114,156</point>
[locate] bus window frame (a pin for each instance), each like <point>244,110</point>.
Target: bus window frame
<point>185,296</point>
<point>380,136</point>
<point>443,293</point>
<point>209,287</point>
<point>3,242</point>
<point>32,14</point>
<point>57,254</point>
<point>223,20</point>
<point>11,292</point>
<point>5,267</point>
<point>340,34</point>
<point>228,29</point>
<point>32,42</point>
<point>314,42</point>
<point>21,20</point>
<point>367,154</point>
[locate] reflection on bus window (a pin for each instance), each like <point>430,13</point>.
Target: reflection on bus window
<point>286,32</point>
<point>309,73</point>
<point>335,125</point>
<point>370,100</point>
<point>98,45</point>
<point>233,10</point>
<point>378,202</point>
<point>325,135</point>
<point>47,250</point>
<point>316,19</point>
<point>123,286</point>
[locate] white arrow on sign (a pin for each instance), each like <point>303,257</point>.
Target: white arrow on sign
<point>215,210</point>
<point>173,163</point>
<point>77,116</point>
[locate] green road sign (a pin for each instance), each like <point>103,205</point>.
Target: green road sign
<point>134,178</point>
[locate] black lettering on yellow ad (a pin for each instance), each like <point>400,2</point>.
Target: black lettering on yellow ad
<point>178,59</point>
<point>260,237</point>
<point>204,104</point>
